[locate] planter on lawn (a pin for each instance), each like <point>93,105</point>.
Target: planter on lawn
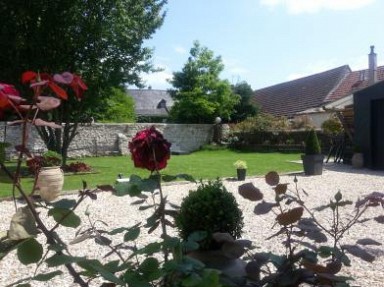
<point>50,182</point>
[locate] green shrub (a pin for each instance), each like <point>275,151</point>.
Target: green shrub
<point>332,126</point>
<point>312,145</point>
<point>211,208</point>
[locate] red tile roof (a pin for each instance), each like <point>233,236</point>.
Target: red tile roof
<point>353,82</point>
<point>289,98</point>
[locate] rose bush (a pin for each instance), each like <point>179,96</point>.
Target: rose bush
<point>150,150</point>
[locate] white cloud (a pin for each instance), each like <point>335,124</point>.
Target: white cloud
<point>180,50</point>
<point>313,6</point>
<point>234,69</point>
<point>158,80</point>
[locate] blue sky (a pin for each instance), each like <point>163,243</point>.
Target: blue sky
<point>266,42</point>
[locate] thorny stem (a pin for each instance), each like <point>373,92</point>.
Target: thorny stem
<point>162,205</point>
<point>51,237</point>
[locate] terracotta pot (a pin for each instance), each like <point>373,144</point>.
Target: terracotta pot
<point>50,182</point>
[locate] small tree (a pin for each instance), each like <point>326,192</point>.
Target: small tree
<point>244,108</point>
<point>199,94</point>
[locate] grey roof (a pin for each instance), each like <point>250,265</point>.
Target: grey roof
<point>298,95</point>
<point>148,102</point>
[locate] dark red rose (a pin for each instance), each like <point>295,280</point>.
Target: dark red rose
<point>150,150</point>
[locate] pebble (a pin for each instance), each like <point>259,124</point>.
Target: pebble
<point>118,211</point>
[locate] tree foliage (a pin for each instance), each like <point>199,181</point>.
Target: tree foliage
<point>244,108</point>
<point>101,40</point>
<point>119,107</point>
<point>199,94</point>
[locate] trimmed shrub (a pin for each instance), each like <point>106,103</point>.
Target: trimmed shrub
<point>211,208</point>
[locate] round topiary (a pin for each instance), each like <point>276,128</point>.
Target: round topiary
<point>211,208</point>
<point>312,145</point>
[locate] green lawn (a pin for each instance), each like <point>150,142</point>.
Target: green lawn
<point>206,164</point>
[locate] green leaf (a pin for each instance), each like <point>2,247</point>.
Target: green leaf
<point>150,269</point>
<point>135,279</point>
<point>64,203</point>
<point>95,265</point>
<point>117,230</point>
<point>149,184</point>
<point>70,220</point>
<point>128,188</point>
<point>47,276</point>
<point>132,234</point>
<point>57,260</point>
<point>23,225</point>
<point>150,248</point>
<point>30,251</point>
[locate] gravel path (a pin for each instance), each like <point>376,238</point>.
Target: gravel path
<point>117,211</point>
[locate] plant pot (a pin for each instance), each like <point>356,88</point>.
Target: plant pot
<point>313,164</point>
<point>241,173</point>
<point>50,182</point>
<point>357,160</point>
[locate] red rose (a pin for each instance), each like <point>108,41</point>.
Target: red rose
<point>150,150</point>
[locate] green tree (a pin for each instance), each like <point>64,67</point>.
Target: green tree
<point>199,94</point>
<point>119,108</point>
<point>244,108</point>
<point>101,40</point>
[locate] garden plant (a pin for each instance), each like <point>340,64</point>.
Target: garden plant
<point>166,261</point>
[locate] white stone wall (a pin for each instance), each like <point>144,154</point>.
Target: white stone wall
<point>106,139</point>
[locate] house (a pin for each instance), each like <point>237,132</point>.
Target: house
<point>315,95</point>
<point>369,124</point>
<point>151,105</point>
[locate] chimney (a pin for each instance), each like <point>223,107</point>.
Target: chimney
<point>372,62</point>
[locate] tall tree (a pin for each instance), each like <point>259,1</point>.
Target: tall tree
<point>244,108</point>
<point>101,40</point>
<point>199,94</point>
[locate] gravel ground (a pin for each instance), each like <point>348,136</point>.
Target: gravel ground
<point>117,211</point>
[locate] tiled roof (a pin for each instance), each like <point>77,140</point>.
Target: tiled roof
<point>291,97</point>
<point>148,101</point>
<point>353,82</point>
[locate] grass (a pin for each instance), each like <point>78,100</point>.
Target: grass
<point>205,164</point>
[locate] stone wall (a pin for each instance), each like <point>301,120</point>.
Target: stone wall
<point>106,139</point>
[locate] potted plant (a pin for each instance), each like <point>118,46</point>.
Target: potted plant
<point>241,168</point>
<point>357,159</point>
<point>50,176</point>
<point>313,159</point>
<point>212,210</point>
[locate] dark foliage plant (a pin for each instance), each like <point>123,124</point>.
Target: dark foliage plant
<point>49,158</point>
<point>210,208</point>
<point>77,166</point>
<point>312,145</point>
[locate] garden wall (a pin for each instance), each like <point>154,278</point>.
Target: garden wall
<point>106,139</point>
